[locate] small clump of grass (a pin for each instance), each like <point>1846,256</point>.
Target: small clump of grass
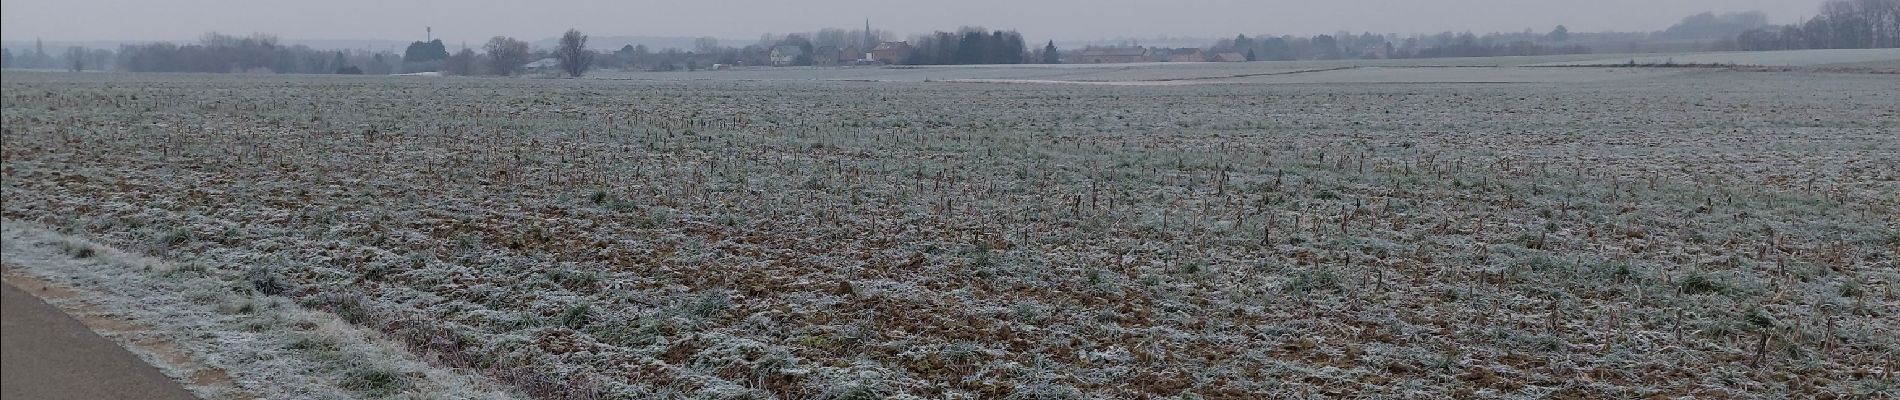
<point>1851,289</point>
<point>265,281</point>
<point>374,381</point>
<point>858,392</point>
<point>314,343</point>
<point>1701,283</point>
<point>174,238</point>
<point>348,306</point>
<point>812,183</point>
<point>248,306</point>
<point>78,250</point>
<point>1191,268</point>
<point>574,279</point>
<point>632,333</point>
<point>190,268</point>
<point>818,342</point>
<point>1313,280</point>
<point>709,305</point>
<point>577,316</point>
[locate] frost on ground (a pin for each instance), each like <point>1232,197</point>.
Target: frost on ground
<point>1456,69</point>
<point>1700,233</point>
<point>269,346</point>
<point>1792,58</point>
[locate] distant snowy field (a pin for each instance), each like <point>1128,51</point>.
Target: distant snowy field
<point>1437,70</point>
<point>1791,58</point>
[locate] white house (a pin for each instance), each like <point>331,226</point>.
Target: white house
<point>545,64</point>
<point>786,55</point>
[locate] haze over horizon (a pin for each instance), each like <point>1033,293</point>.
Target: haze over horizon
<point>476,20</point>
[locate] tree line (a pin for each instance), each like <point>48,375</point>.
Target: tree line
<point>970,45</point>
<point>219,53</point>
<point>1841,24</point>
<point>76,58</point>
<point>506,56</point>
<point>1346,45</point>
<point>213,53</point>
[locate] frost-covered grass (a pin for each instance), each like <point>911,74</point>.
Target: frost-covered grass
<point>1627,238</point>
<point>267,345</point>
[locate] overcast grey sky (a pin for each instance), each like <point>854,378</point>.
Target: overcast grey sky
<point>475,20</point>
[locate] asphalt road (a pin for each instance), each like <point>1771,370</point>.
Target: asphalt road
<point>47,355</point>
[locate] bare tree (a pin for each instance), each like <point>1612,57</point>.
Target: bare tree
<point>1841,24</point>
<point>1844,24</point>
<point>1883,20</point>
<point>573,53</point>
<point>506,55</point>
<point>460,63</point>
<point>705,45</point>
<point>76,57</point>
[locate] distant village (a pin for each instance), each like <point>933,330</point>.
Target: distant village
<point>835,47</point>
<point>884,53</point>
<point>897,53</point>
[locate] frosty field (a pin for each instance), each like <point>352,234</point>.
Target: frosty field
<point>1424,70</point>
<point>1888,58</point>
<point>1378,233</point>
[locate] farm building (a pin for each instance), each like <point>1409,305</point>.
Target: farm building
<point>1229,57</point>
<point>786,55</point>
<point>542,65</point>
<point>1111,55</point>
<point>1187,55</point>
<point>891,52</point>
